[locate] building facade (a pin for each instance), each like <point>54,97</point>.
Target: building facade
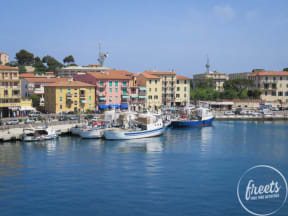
<point>273,84</point>
<point>244,75</point>
<point>4,58</point>
<point>70,71</point>
<point>69,96</point>
<point>219,79</point>
<point>11,103</point>
<point>112,87</point>
<point>150,90</point>
<point>182,91</point>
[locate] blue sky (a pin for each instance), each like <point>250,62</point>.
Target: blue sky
<point>142,35</point>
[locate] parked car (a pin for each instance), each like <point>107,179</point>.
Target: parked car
<point>229,113</point>
<point>12,122</point>
<point>63,118</point>
<point>29,121</point>
<point>275,109</point>
<point>74,117</point>
<point>87,117</point>
<point>34,114</point>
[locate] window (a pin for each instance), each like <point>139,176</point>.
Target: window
<point>178,88</point>
<point>124,83</point>
<point>89,106</point>
<point>60,90</point>
<point>110,83</point>
<point>155,81</point>
<point>101,83</point>
<point>280,77</point>
<point>75,95</point>
<point>286,93</point>
<point>116,98</point>
<point>185,81</point>
<point>116,83</point>
<point>266,93</point>
<point>177,95</point>
<point>273,93</point>
<point>155,89</point>
<point>266,85</point>
<point>286,85</point>
<point>150,89</point>
<point>90,90</point>
<point>60,98</point>
<point>110,98</point>
<point>150,81</point>
<point>266,78</point>
<point>184,88</point>
<point>280,93</point>
<point>280,85</point>
<point>177,81</point>
<point>274,86</point>
<point>90,98</point>
<point>155,96</point>
<point>60,106</point>
<point>101,89</point>
<point>150,96</point>
<point>69,90</point>
<point>124,91</point>
<point>110,90</point>
<point>116,90</point>
<point>274,79</point>
<point>75,89</point>
<point>185,95</point>
<point>75,102</point>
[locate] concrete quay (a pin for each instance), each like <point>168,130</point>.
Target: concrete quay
<point>8,133</point>
<point>250,118</point>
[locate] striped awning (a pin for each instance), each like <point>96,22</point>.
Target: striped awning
<point>143,96</point>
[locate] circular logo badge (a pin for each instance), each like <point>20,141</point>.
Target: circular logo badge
<point>262,190</point>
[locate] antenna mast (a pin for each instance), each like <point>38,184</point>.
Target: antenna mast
<point>102,56</point>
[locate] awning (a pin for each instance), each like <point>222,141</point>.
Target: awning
<point>117,106</point>
<point>102,98</point>
<point>124,106</point>
<point>83,101</point>
<point>143,96</point>
<point>103,106</point>
<point>125,96</point>
<point>134,96</point>
<point>142,88</point>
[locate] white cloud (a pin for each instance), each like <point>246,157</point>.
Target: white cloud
<point>225,12</point>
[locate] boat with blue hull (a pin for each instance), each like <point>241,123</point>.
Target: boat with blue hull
<point>203,117</point>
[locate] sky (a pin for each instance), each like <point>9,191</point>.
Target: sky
<point>151,35</point>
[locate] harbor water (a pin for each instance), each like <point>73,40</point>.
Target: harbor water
<point>191,171</point>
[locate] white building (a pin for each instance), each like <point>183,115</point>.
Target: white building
<point>4,58</point>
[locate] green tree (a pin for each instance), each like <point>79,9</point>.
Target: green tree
<point>35,100</point>
<point>12,64</point>
<point>69,59</point>
<point>239,85</point>
<point>205,83</point>
<point>24,57</point>
<point>254,93</point>
<point>22,69</point>
<point>229,94</point>
<point>285,69</point>
<point>52,63</point>
<point>40,68</point>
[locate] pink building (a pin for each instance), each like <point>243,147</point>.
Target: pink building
<point>112,87</point>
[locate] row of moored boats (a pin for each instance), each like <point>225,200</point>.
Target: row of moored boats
<point>127,125</point>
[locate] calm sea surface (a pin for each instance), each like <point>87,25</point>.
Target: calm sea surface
<point>184,172</point>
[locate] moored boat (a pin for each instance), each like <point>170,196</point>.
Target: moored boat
<point>202,117</point>
<point>39,134</point>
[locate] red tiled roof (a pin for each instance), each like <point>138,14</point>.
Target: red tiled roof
<point>26,75</point>
<point>49,72</point>
<point>45,80</point>
<point>70,84</point>
<point>269,73</point>
<point>149,76</point>
<point>182,77</point>
<point>4,67</point>
<point>160,73</point>
<point>112,74</point>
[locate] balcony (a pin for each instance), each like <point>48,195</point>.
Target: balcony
<point>101,94</point>
<point>69,95</point>
<point>82,96</point>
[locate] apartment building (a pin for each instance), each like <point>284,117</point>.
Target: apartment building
<point>4,58</point>
<point>243,75</point>
<point>70,71</point>
<point>69,96</point>
<point>11,103</point>
<point>182,91</point>
<point>219,79</point>
<point>273,84</point>
<point>112,87</point>
<point>150,90</point>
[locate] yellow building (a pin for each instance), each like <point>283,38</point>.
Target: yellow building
<point>10,91</point>
<point>153,87</point>
<point>182,91</point>
<point>69,96</point>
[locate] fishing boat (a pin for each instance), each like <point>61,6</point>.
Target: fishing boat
<point>140,127</point>
<point>77,129</point>
<point>94,132</point>
<point>39,134</point>
<point>200,117</point>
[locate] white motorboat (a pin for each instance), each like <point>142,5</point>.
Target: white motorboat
<point>39,134</point>
<point>92,133</point>
<point>144,127</point>
<point>77,129</point>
